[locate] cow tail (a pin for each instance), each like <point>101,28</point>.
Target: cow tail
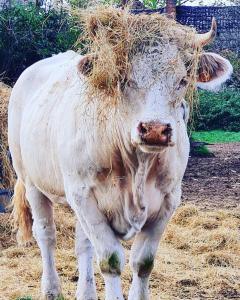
<point>22,215</point>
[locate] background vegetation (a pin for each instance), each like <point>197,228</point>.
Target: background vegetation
<point>218,110</point>
<point>29,33</point>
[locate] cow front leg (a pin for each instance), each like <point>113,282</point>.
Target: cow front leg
<point>86,289</point>
<point>44,233</point>
<point>109,252</point>
<point>144,250</point>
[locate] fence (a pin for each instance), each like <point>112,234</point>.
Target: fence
<point>228,20</point>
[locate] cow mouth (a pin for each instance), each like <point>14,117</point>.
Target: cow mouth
<point>155,147</point>
<point>162,142</point>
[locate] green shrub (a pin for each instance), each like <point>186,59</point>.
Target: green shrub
<point>201,151</point>
<point>234,58</point>
<point>218,110</point>
<point>28,34</point>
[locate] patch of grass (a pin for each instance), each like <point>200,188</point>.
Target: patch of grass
<point>216,136</point>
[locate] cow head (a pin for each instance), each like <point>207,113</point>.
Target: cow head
<point>155,87</point>
<point>162,111</point>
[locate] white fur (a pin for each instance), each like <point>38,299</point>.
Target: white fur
<point>215,84</point>
<point>44,232</point>
<point>113,288</point>
<point>86,289</point>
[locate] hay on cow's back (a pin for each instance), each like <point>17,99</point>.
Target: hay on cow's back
<point>114,36</point>
<point>7,176</point>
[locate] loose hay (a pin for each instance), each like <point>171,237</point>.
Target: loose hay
<point>192,272</point>
<point>114,37</point>
<point>7,176</point>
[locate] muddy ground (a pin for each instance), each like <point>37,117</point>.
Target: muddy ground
<point>214,181</point>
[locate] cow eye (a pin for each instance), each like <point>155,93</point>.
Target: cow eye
<point>132,84</point>
<point>183,82</point>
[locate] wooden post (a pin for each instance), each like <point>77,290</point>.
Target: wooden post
<point>171,8</point>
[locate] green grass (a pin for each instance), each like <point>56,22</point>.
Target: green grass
<point>216,136</point>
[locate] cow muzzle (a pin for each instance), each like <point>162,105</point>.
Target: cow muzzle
<point>155,134</point>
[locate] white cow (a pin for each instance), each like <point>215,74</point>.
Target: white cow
<point>121,174</point>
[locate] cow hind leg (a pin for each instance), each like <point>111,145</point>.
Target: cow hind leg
<point>44,232</point>
<point>86,289</point>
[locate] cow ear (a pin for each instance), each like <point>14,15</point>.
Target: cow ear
<point>85,64</point>
<point>213,71</point>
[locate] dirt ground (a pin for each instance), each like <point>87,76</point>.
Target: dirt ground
<point>199,255</point>
<point>214,181</point>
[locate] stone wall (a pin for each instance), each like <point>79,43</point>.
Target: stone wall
<point>228,21</point>
<point>228,24</point>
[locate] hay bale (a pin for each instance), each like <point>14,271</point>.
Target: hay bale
<point>7,175</point>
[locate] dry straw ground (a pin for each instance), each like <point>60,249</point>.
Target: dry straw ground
<point>198,258</point>
<point>6,175</point>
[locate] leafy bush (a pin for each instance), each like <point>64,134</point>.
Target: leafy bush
<point>218,110</point>
<point>201,151</point>
<point>28,34</point>
<point>234,58</point>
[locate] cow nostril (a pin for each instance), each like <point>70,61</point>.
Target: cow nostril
<point>167,130</point>
<point>142,128</point>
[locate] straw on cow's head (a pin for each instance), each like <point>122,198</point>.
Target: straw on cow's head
<point>116,37</point>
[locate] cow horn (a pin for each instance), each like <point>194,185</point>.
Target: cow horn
<point>203,39</point>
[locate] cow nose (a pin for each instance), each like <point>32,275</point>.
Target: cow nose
<point>155,133</point>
